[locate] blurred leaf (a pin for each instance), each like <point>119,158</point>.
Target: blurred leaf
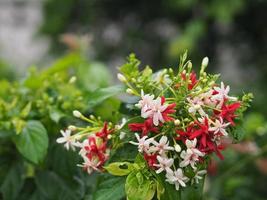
<point>32,143</point>
<point>26,110</point>
<point>102,94</point>
<point>13,182</point>
<point>93,76</point>
<point>138,187</point>
<point>55,114</point>
<point>53,187</point>
<point>110,187</point>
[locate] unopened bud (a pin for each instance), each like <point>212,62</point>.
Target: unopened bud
<point>189,65</point>
<point>72,128</point>
<point>77,114</point>
<point>109,137</point>
<point>177,122</point>
<point>205,62</point>
<point>129,91</point>
<point>121,78</point>
<point>177,147</point>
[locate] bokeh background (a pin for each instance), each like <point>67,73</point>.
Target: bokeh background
<point>232,33</point>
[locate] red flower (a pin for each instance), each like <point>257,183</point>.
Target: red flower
<point>145,127</point>
<point>104,132</point>
<point>202,133</point>
<point>151,160</point>
<point>228,112</point>
<point>93,150</point>
<point>169,110</point>
<point>192,78</point>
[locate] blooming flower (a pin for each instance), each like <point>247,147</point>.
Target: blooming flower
<point>145,127</point>
<point>191,155</point>
<point>177,178</point>
<point>221,93</point>
<point>143,143</point>
<point>162,146</point>
<point>219,127</point>
<point>90,165</point>
<point>155,111</point>
<point>164,164</point>
<point>70,141</point>
<point>195,105</point>
<point>228,112</point>
<point>145,103</point>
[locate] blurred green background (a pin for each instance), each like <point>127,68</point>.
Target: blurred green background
<point>97,35</point>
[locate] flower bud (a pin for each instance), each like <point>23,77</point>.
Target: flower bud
<point>177,147</point>
<point>109,137</point>
<point>121,78</point>
<point>177,122</point>
<point>129,91</point>
<point>77,114</point>
<point>205,62</point>
<point>72,128</point>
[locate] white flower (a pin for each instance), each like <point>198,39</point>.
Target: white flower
<point>191,155</point>
<point>162,146</point>
<point>143,143</point>
<point>222,93</point>
<point>198,176</point>
<point>70,141</point>
<point>195,105</point>
<point>219,127</point>
<point>162,78</point>
<point>145,103</point>
<point>177,178</point>
<point>155,111</point>
<point>90,165</point>
<point>84,148</point>
<point>164,164</point>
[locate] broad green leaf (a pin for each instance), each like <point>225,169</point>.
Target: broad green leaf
<point>138,187</point>
<point>93,76</point>
<point>55,114</point>
<point>32,143</point>
<point>54,187</point>
<point>102,94</point>
<point>110,188</point>
<point>13,182</point>
<point>119,168</point>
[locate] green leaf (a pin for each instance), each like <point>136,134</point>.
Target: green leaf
<point>26,110</point>
<point>55,114</point>
<point>138,187</point>
<point>54,187</point>
<point>119,168</point>
<point>13,182</point>
<point>32,143</point>
<point>130,69</point>
<point>102,94</point>
<point>93,76</point>
<point>110,188</point>
<point>238,133</point>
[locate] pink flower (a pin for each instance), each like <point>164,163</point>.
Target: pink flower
<point>162,146</point>
<point>164,164</point>
<point>143,143</point>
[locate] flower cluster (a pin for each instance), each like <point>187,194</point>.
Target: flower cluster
<point>93,147</point>
<point>182,119</point>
